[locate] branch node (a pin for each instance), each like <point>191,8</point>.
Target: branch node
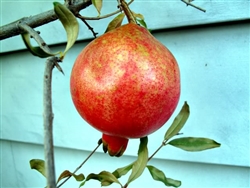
<point>58,66</point>
<point>34,34</point>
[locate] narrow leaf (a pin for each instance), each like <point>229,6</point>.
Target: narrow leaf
<point>98,5</point>
<point>69,23</point>
<point>92,176</point>
<point>194,143</point>
<point>67,173</point>
<point>116,22</point>
<point>38,165</point>
<point>158,175</point>
<point>178,122</point>
<point>82,184</point>
<point>142,23</point>
<point>106,178</point>
<point>136,15</point>
<point>122,171</point>
<point>140,18</point>
<point>141,162</point>
<point>36,51</point>
<point>79,177</point>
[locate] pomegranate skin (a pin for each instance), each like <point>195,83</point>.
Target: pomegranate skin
<point>125,83</point>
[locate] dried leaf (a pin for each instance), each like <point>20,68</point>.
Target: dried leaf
<point>194,143</point>
<point>98,5</point>
<point>158,175</point>
<point>38,165</point>
<point>141,162</point>
<point>178,122</point>
<point>116,22</point>
<point>70,24</point>
<point>36,51</point>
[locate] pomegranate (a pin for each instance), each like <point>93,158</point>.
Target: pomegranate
<point>125,84</point>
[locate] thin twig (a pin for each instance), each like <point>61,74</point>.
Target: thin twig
<point>105,16</point>
<point>188,3</point>
<point>99,143</point>
<point>164,143</point>
<point>86,23</point>
<point>83,18</point>
<point>48,123</point>
<point>156,151</point>
<point>12,29</point>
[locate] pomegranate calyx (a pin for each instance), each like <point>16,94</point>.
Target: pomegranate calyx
<point>114,145</point>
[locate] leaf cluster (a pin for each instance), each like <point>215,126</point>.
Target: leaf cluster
<point>106,178</point>
<point>70,25</point>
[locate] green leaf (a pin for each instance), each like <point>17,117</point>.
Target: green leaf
<point>98,5</point>
<point>142,23</point>
<point>117,173</point>
<point>158,175</point>
<point>36,51</point>
<point>69,23</point>
<point>141,162</point>
<point>116,22</point>
<point>178,122</point>
<point>106,178</point>
<point>137,15</point>
<point>194,143</point>
<point>122,171</point>
<point>140,18</point>
<point>67,173</point>
<point>82,184</point>
<point>38,165</point>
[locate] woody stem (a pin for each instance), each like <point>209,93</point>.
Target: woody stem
<point>127,11</point>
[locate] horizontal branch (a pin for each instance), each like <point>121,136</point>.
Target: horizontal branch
<point>12,29</point>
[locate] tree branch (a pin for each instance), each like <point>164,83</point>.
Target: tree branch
<point>26,28</point>
<point>12,29</point>
<point>48,123</point>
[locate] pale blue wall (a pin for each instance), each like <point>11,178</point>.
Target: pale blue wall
<point>214,63</point>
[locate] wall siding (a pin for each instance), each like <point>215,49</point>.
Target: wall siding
<point>214,64</point>
<point>17,173</point>
<point>158,15</point>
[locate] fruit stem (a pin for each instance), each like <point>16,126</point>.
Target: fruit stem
<point>127,11</point>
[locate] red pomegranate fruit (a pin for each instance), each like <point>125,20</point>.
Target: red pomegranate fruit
<point>125,84</point>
